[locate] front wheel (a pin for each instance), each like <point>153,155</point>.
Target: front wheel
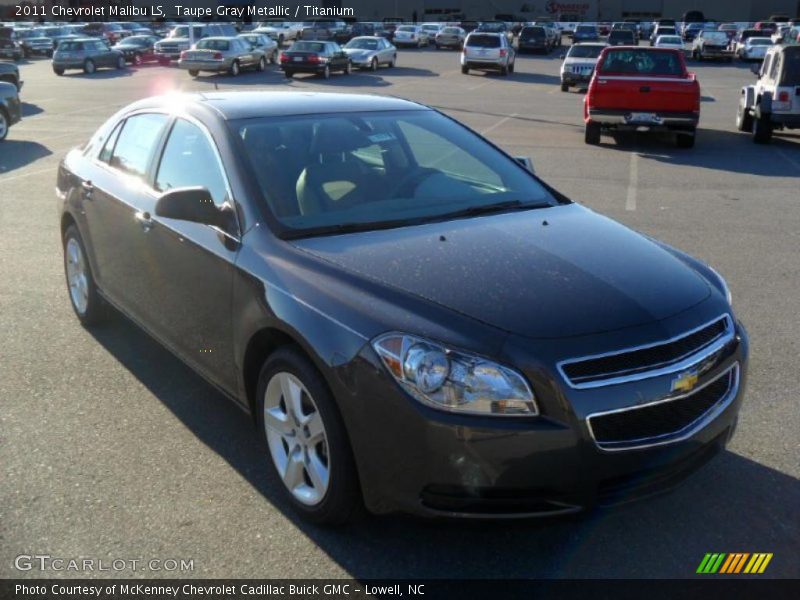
<point>373,65</point>
<point>686,140</point>
<point>89,67</point>
<point>193,73</point>
<point>85,300</point>
<point>762,130</point>
<point>564,87</point>
<point>288,74</point>
<point>744,120</point>
<point>4,126</point>
<point>306,439</point>
<point>58,71</point>
<point>465,70</point>
<point>137,59</point>
<point>348,69</point>
<point>591,133</point>
<point>234,70</point>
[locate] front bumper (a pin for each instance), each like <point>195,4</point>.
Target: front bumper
<point>168,54</point>
<point>216,66</point>
<point>415,459</point>
<point>571,78</point>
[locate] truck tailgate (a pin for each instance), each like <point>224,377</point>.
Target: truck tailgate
<point>650,94</point>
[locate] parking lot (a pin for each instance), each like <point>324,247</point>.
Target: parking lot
<point>112,448</point>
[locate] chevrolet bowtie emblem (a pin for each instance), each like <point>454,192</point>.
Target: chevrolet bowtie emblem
<point>685,382</point>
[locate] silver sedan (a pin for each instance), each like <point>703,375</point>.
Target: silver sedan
<point>368,52</point>
<point>222,55</point>
<point>264,43</point>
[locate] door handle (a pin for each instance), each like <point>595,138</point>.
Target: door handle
<point>145,220</point>
<point>88,189</point>
<point>644,89</point>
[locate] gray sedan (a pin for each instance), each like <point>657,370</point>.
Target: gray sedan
<point>264,43</point>
<point>10,108</point>
<point>222,55</point>
<point>369,52</point>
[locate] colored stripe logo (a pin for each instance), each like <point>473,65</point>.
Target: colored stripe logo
<point>734,563</point>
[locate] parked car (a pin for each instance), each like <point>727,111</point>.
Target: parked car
<point>320,58</point>
<point>533,39</point>
<point>622,37</point>
<point>9,73</point>
<point>34,43</point>
<point>87,54</point>
<point>553,33</point>
<point>642,89</point>
<point>765,28</point>
<point>325,30</point>
<point>264,44</point>
<point>432,29</point>
<point>755,48</point>
<point>138,49</point>
<point>58,34</point>
<point>110,32</point>
<point>773,102</point>
<point>280,31</point>
<point>487,52</point>
<point>579,64</point>
<point>662,30</point>
<point>450,37</point>
<point>410,36</point>
<point>180,39</point>
<point>586,33</point>
<point>371,52</point>
<point>780,33</point>
<point>674,42</point>
<point>691,30</point>
<point>374,381</point>
<point>10,108</point>
<point>222,55</point>
<point>712,44</point>
<point>10,49</point>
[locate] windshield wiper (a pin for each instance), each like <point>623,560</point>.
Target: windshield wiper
<point>487,209</point>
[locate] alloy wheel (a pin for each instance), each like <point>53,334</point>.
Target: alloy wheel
<point>297,439</point>
<point>77,277</point>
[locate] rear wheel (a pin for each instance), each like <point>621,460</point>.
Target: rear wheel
<point>686,141</point>
<point>137,59</point>
<point>504,71</point>
<point>83,295</point>
<point>465,70</point>
<point>349,68</point>
<point>591,133</point>
<point>326,72</point>
<point>564,87</point>
<point>89,67</point>
<point>762,130</point>
<point>194,73</point>
<point>288,74</point>
<point>511,68</point>
<point>274,57</point>
<point>121,64</point>
<point>262,64</point>
<point>306,439</point>
<point>4,126</point>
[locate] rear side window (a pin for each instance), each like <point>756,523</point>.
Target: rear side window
<point>791,66</point>
<point>484,41</point>
<point>642,62</point>
<point>136,143</point>
<point>70,46</point>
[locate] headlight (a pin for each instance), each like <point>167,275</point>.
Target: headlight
<point>454,381</point>
<point>723,285</point>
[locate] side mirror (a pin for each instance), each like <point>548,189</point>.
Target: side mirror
<point>756,68</point>
<point>525,162</point>
<point>193,204</point>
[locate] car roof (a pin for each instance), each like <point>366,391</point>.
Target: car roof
<point>223,38</point>
<point>253,104</point>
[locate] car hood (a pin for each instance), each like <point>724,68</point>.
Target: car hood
<point>358,52</point>
<point>546,273</point>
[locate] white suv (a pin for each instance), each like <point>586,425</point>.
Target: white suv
<point>487,52</point>
<point>774,101</point>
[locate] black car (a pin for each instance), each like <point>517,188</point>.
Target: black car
<point>622,37</point>
<point>9,73</point>
<point>10,49</point>
<point>138,49</point>
<point>533,39</point>
<point>411,316</point>
<point>321,58</point>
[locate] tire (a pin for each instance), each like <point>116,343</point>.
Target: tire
<point>511,68</point>
<point>4,125</point>
<point>348,69</point>
<point>744,120</point>
<point>374,64</point>
<point>591,133</point>
<point>273,59</point>
<point>262,64</point>
<point>137,59</point>
<point>121,64</point>
<point>504,71</point>
<point>288,74</point>
<point>564,87</point>
<point>89,67</point>
<point>193,73</point>
<point>762,130</point>
<point>235,69</point>
<point>323,485</point>
<point>393,62</point>
<point>84,298</point>
<point>686,141</point>
<point>465,70</point>
<point>326,72</point>
<point>58,71</point>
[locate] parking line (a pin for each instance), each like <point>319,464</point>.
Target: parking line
<point>499,123</point>
<point>479,86</point>
<point>52,169</point>
<point>633,183</point>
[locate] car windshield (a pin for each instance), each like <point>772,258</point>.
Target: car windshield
<point>307,47</point>
<point>670,39</point>
<point>718,37</point>
<point>327,173</point>
<point>760,42</point>
<point>585,51</point>
<point>362,44</point>
<point>483,41</point>
<point>646,62</point>
<point>212,44</point>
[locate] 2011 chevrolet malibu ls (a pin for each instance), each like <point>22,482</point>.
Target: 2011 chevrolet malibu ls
<point>414,319</point>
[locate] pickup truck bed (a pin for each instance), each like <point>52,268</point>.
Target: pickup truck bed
<point>638,88</point>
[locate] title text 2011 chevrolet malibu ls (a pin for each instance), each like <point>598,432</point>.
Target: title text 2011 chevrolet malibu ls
<point>413,318</point>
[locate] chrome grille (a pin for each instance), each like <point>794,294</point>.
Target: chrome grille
<point>650,360</point>
<point>665,421</point>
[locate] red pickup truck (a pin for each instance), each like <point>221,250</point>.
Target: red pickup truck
<point>643,89</point>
